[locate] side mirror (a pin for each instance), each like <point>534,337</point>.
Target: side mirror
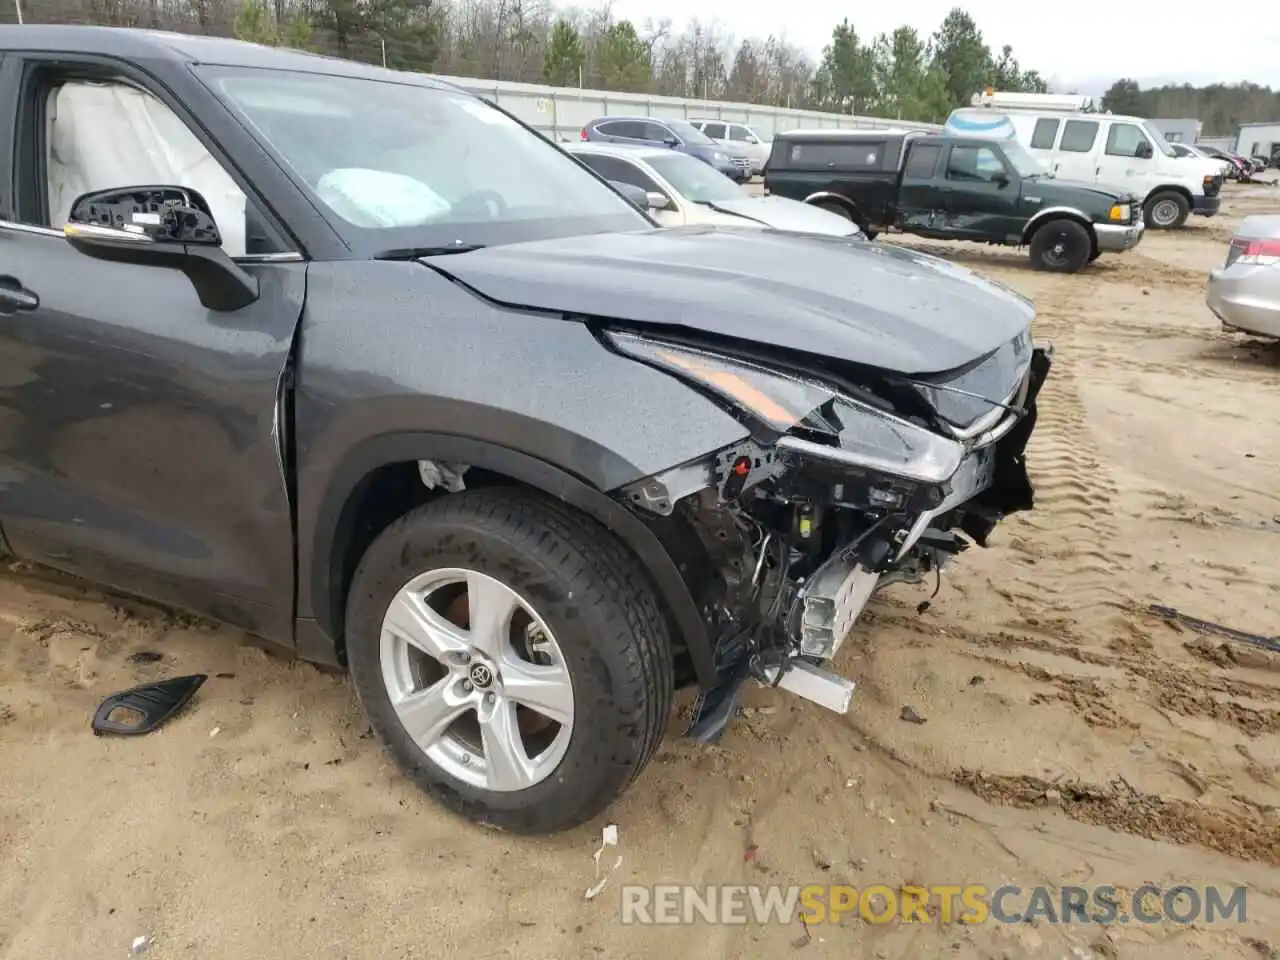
<point>671,141</point>
<point>1001,180</point>
<point>161,226</point>
<point>1144,151</point>
<point>657,201</point>
<point>753,140</point>
<point>634,194</point>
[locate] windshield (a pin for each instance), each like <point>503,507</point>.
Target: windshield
<point>1161,143</point>
<point>690,134</point>
<point>404,166</point>
<point>698,181</point>
<point>1024,163</point>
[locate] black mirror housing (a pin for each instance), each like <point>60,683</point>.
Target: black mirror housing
<point>1144,151</point>
<point>634,194</point>
<point>162,213</point>
<point>161,226</point>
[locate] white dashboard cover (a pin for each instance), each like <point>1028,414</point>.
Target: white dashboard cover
<point>107,136</point>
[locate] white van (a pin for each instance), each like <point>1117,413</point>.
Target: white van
<point>1104,148</point>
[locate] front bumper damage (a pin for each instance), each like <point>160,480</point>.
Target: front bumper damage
<point>784,544</point>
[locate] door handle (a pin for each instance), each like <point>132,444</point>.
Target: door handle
<point>14,296</point>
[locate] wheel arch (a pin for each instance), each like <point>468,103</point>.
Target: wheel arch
<point>836,199</point>
<point>339,542</point>
<point>1178,188</point>
<point>1058,213</point>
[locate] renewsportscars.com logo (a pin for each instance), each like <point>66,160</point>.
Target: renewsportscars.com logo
<point>940,903</point>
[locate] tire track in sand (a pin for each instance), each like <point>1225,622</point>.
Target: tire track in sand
<point>1076,573</point>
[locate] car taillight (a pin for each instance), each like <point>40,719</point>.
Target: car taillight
<point>583,133</point>
<point>1261,252</point>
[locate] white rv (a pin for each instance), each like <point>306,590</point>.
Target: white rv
<point>1074,143</point>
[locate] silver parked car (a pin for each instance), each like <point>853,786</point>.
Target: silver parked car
<point>1244,293</point>
<point>740,137</point>
<point>681,190</point>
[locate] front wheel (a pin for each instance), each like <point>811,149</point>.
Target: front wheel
<point>1061,246</point>
<point>512,656</point>
<point>1166,210</point>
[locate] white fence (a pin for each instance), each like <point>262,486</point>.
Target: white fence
<point>561,112</point>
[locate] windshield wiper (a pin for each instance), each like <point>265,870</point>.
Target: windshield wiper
<point>413,253</point>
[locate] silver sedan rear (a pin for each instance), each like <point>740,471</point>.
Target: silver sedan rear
<point>1244,293</point>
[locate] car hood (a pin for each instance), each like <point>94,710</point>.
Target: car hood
<point>861,302</point>
<point>783,214</point>
<point>1056,190</point>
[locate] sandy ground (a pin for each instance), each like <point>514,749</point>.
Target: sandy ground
<point>1069,737</point>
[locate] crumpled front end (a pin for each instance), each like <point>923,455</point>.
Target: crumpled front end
<point>841,490</point>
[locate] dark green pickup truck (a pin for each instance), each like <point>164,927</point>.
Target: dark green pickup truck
<point>953,188</point>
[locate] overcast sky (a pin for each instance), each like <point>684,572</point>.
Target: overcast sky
<point>1086,43</point>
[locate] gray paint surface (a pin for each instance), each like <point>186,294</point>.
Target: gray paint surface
<point>868,303</point>
<point>426,355</point>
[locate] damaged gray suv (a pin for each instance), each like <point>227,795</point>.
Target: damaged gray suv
<point>356,362</point>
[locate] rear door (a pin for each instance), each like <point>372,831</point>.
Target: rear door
<point>621,130</point>
<point>1043,141</point>
<point>140,443</point>
<point>1078,146</point>
<point>922,197</point>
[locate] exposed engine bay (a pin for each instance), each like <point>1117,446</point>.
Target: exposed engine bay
<point>840,491</point>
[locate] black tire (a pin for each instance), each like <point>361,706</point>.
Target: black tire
<point>1060,246</point>
<point>1166,210</point>
<point>597,601</point>
<point>1094,255</point>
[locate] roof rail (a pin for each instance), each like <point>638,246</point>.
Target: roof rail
<point>1052,102</point>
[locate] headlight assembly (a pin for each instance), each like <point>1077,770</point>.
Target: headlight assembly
<point>869,439</point>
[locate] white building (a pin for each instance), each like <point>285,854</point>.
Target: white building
<point>1183,130</point>
<point>1258,138</point>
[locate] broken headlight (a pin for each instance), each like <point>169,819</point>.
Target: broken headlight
<point>778,401</point>
<point>866,438</point>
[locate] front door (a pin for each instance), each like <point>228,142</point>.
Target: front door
<point>1120,165</point>
<point>981,194</point>
<point>624,171</point>
<point>139,439</point>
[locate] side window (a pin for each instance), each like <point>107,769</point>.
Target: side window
<point>612,168</point>
<point>714,130</point>
<point>1045,134</point>
<point>974,164</point>
<point>101,136</point>
<point>656,132</point>
<point>836,155</point>
<point>1078,136</point>
<point>1174,137</point>
<point>922,161</point>
<point>623,128</point>
<point>738,132</point>
<point>1123,140</point>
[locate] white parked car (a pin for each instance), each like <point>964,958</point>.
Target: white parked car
<point>681,189</point>
<point>741,137</point>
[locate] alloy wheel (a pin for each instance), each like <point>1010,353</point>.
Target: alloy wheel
<point>477,679</point>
